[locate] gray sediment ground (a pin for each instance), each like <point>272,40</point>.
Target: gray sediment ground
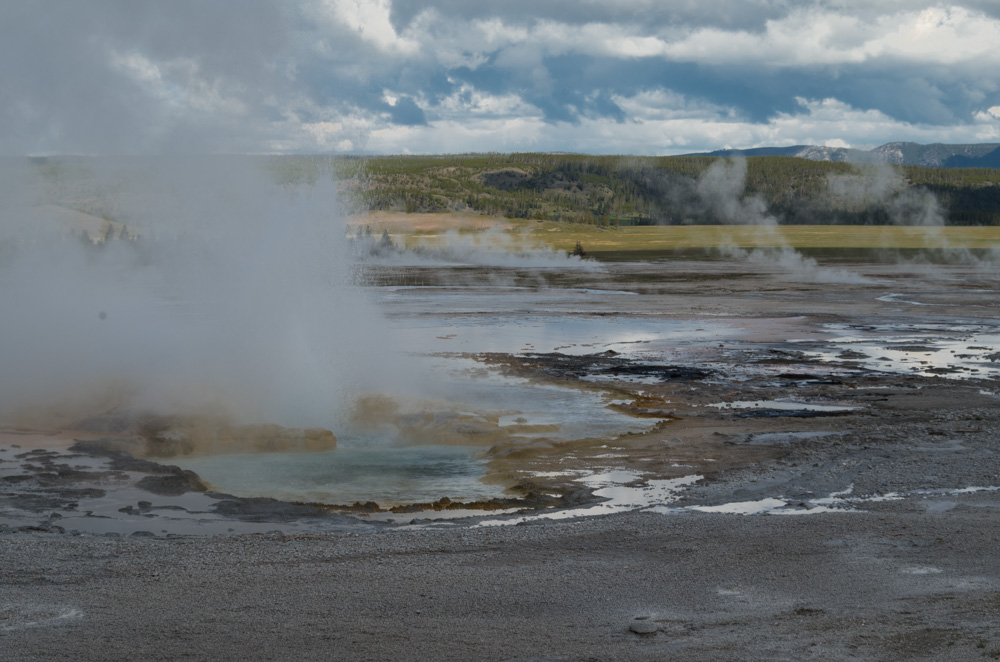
<point>907,580</point>
<point>865,528</point>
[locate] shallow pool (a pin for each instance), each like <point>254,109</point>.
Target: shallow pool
<point>387,475</point>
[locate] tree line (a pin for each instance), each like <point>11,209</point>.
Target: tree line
<point>630,190</point>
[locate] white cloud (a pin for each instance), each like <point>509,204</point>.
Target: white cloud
<point>671,125</point>
<point>180,85</point>
<point>369,19</point>
<point>467,101</point>
<point>662,104</point>
<point>493,33</point>
<point>449,136</point>
<point>941,35</point>
<point>316,75</point>
<point>814,36</point>
<point>991,114</point>
<point>611,40</point>
<point>831,119</point>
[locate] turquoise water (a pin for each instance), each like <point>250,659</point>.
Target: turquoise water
<point>386,475</point>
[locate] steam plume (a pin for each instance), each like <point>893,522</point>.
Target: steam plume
<point>228,292</point>
<point>720,189</point>
<point>880,185</point>
<point>489,248</point>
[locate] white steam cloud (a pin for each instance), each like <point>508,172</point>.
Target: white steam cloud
<point>489,248</point>
<point>228,294</point>
<point>883,186</point>
<point>721,187</point>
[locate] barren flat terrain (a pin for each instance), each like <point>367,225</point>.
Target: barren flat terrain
<point>817,478</point>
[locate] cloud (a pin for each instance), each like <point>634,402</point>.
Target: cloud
<point>580,75</point>
<point>727,13</point>
<point>815,36</point>
<point>369,20</point>
<point>991,114</point>
<point>662,104</point>
<point>467,101</point>
<point>664,122</point>
<point>406,112</point>
<point>733,72</point>
<point>134,76</point>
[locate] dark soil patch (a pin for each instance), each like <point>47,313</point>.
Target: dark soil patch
<point>610,364</point>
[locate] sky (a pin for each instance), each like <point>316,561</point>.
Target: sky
<point>453,76</point>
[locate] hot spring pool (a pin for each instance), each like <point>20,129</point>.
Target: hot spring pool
<point>386,475</point>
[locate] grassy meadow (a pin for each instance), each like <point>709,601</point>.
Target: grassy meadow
<point>648,241</point>
<point>694,237</point>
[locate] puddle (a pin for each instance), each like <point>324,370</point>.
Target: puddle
<point>896,298</point>
<point>952,351</point>
<point>743,507</point>
<point>523,408</point>
<point>955,492</point>
<point>785,405</point>
<point>623,491</point>
<point>481,329</point>
<point>767,506</point>
<point>835,502</point>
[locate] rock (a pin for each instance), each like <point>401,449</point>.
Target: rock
<point>580,496</point>
<point>172,484</point>
<point>263,509</point>
<point>644,627</point>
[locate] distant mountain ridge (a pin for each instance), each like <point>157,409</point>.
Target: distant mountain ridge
<point>937,155</point>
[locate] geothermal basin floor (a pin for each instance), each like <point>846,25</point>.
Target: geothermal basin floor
<point>827,490</point>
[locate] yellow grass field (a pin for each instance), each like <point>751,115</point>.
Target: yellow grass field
<point>428,229</point>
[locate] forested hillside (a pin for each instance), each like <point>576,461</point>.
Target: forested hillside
<point>625,190</point>
<point>936,155</point>
<point>610,190</point>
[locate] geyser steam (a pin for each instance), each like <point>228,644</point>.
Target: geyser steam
<point>488,248</point>
<point>720,189</point>
<point>226,293</point>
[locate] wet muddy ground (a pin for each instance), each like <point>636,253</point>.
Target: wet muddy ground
<point>866,407</point>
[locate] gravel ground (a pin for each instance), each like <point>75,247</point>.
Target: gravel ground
<point>902,581</point>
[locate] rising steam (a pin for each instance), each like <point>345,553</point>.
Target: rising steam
<point>489,248</point>
<point>721,188</point>
<point>179,286</point>
<point>882,186</point>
